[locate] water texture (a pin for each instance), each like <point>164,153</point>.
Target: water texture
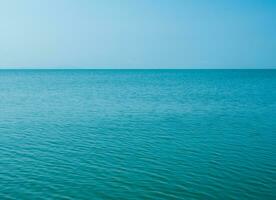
<point>138,134</point>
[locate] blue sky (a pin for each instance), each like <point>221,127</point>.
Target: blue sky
<point>138,33</point>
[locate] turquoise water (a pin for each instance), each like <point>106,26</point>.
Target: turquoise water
<point>167,134</point>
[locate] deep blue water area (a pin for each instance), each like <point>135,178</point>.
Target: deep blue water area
<point>138,134</point>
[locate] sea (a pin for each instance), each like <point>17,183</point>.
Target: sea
<point>138,134</point>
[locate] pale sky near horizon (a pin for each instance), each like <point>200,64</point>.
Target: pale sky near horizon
<point>138,34</point>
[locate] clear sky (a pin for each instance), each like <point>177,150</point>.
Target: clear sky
<point>138,33</point>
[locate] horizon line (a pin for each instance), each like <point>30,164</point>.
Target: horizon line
<point>136,68</point>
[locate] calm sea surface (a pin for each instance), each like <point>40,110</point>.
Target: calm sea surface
<point>141,134</point>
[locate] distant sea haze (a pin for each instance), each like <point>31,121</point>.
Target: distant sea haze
<point>138,134</point>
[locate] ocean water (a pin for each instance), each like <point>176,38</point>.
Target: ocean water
<point>138,134</point>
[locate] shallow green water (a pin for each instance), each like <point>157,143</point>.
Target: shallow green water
<point>92,134</point>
